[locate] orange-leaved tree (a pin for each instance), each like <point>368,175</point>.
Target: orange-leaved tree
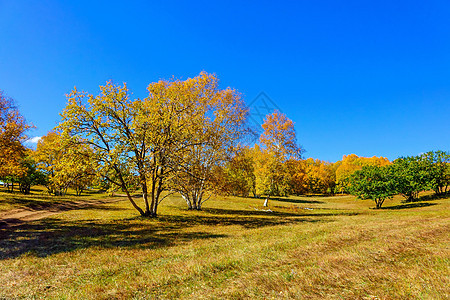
<point>279,136</point>
<point>320,176</point>
<point>279,143</point>
<point>12,133</point>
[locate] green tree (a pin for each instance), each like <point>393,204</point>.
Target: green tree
<point>29,177</point>
<point>374,183</point>
<point>437,167</point>
<point>410,176</point>
<point>351,163</point>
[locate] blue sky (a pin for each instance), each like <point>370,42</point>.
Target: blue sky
<point>363,77</point>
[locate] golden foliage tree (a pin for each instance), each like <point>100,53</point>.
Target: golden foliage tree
<point>311,176</point>
<point>215,127</point>
<point>350,164</point>
<point>320,176</point>
<point>12,133</point>
<point>279,144</point>
<point>297,172</point>
<point>148,142</point>
<point>65,163</point>
<point>239,173</point>
<point>279,136</point>
<point>271,177</point>
<point>111,124</point>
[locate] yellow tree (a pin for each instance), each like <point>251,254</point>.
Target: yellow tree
<point>65,163</point>
<point>279,136</point>
<point>109,124</point>
<point>350,164</point>
<point>320,176</point>
<point>311,176</point>
<point>279,144</point>
<point>271,176</point>
<point>239,173</point>
<point>214,127</point>
<point>12,132</point>
<point>297,172</point>
<point>146,142</point>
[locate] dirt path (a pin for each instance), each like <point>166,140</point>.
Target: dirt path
<point>21,215</point>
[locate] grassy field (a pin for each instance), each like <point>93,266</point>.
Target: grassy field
<point>305,247</point>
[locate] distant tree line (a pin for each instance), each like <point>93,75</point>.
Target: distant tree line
<point>188,137</point>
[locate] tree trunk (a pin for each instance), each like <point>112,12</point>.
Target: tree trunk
<point>188,201</point>
<point>145,198</point>
<point>194,200</point>
<point>199,201</point>
<point>379,203</point>
<point>154,213</point>
<point>159,190</point>
<point>24,188</point>
<point>123,186</point>
<point>141,212</point>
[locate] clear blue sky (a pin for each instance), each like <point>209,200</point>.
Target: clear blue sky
<point>363,77</point>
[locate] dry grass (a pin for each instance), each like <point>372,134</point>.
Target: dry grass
<point>339,249</point>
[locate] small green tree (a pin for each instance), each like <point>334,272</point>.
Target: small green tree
<point>31,177</point>
<point>410,176</point>
<point>374,183</point>
<point>437,168</point>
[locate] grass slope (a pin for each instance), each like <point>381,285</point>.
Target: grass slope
<point>306,247</point>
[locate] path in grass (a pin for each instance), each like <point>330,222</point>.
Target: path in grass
<point>21,215</point>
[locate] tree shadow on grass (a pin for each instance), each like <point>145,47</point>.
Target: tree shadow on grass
<point>51,236</point>
<point>32,202</point>
<point>434,197</point>
<point>410,205</point>
<point>294,212</point>
<point>55,204</point>
<point>319,195</point>
<point>295,200</point>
